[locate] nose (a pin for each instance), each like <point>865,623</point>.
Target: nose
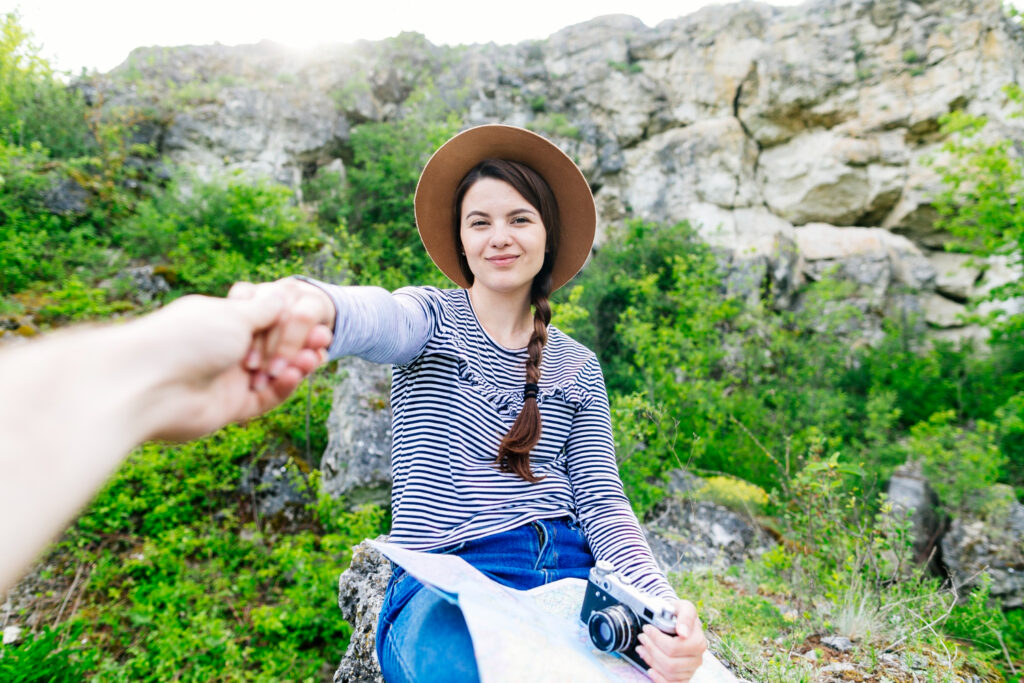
<point>500,236</point>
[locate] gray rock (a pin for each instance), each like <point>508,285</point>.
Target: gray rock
<point>66,197</point>
<point>942,312</point>
<point>277,490</point>
<point>686,534</point>
<point>911,496</point>
<point>146,283</point>
<point>838,643</point>
<point>993,543</point>
<point>955,274</point>
<point>357,462</point>
<point>360,596</point>
<point>12,634</point>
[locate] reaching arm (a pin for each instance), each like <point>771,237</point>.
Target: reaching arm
<point>76,402</point>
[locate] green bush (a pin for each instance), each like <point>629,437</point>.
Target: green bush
<point>982,200</point>
<point>961,465</point>
<point>222,232</point>
<point>36,245</point>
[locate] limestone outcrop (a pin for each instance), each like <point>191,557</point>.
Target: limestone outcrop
<point>754,122</point>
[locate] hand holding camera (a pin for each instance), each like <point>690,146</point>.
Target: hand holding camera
<point>663,640</point>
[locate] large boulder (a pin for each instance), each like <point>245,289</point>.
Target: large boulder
<point>357,462</point>
<point>992,542</point>
<point>829,178</point>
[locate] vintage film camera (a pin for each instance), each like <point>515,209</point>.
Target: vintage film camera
<point>615,612</point>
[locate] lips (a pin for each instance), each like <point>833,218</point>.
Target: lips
<point>501,260</point>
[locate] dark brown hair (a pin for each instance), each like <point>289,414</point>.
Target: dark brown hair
<point>514,451</point>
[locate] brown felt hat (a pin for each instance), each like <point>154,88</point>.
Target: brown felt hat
<point>435,193</point>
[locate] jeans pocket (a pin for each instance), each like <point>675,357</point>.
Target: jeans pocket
<point>401,587</point>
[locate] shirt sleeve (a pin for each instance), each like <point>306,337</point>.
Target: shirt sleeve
<point>377,325</point>
<point>611,527</point>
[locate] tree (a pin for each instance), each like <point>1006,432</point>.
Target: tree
<point>35,106</point>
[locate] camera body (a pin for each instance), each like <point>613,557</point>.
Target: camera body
<point>615,613</point>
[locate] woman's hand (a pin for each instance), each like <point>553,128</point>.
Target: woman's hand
<point>307,310</point>
<point>674,659</point>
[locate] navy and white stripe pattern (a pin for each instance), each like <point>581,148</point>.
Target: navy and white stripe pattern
<point>455,394</point>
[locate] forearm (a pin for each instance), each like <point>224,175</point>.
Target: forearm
<point>375,324</point>
<point>612,529</point>
<point>72,407</point>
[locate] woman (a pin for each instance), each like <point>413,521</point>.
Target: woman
<point>502,442</point>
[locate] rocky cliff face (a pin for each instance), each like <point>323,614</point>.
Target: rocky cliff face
<point>795,138</point>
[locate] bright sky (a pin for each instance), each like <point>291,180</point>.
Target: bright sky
<point>99,34</point>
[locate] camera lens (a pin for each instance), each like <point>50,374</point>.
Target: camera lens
<point>613,629</point>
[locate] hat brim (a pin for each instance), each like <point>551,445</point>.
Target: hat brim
<point>435,193</point>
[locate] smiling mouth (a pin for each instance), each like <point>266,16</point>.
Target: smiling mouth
<point>502,260</point>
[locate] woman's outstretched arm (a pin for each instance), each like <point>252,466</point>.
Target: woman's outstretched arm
<point>369,322</point>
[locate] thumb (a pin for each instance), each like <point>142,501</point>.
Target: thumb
<point>686,615</point>
<point>261,311</point>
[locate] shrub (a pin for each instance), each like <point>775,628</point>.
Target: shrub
<point>224,231</point>
<point>734,493</point>
<point>379,241</point>
<point>981,203</point>
<point>961,465</point>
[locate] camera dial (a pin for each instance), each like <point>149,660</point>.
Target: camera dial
<point>614,629</point>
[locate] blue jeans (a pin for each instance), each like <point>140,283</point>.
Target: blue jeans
<point>423,638</point>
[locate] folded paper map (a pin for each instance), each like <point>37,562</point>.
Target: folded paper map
<point>533,635</point>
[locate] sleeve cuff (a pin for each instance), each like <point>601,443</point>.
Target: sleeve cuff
<point>333,350</point>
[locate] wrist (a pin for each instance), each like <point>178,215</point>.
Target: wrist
<point>325,304</point>
<point>148,372</point>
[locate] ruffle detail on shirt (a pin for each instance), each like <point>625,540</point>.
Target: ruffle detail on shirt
<point>508,401</point>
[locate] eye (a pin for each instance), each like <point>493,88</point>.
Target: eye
<point>522,220</point>
<point>477,222</point>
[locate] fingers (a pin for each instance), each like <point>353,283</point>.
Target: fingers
<point>319,337</point>
<point>254,356</point>
<point>674,658</point>
<point>288,338</point>
<point>287,315</point>
<point>261,310</point>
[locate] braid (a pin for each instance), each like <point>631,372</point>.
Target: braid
<point>514,452</point>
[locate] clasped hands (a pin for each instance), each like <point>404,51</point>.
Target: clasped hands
<point>235,358</point>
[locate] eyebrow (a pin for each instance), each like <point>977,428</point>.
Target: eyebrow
<point>510,213</point>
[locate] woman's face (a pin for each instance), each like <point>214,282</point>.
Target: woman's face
<point>503,237</point>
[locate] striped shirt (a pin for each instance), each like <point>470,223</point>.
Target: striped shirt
<point>455,393</point>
